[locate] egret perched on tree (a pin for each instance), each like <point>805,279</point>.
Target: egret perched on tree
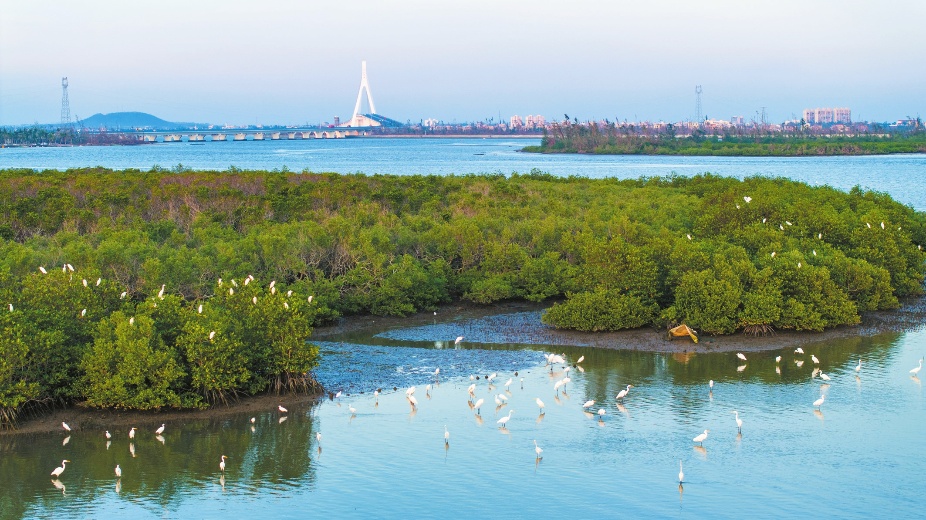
<point>540,404</point>
<point>700,438</point>
<point>159,430</point>
<point>741,356</point>
<point>222,464</point>
<point>623,393</point>
<point>199,309</point>
<point>538,450</point>
<point>504,420</point>
<point>84,281</point>
<point>132,320</point>
<point>916,370</point>
<point>83,313</point>
<point>99,281</point>
<point>118,471</point>
<point>58,471</point>
<point>739,422</point>
<point>161,292</point>
<point>123,295</point>
<point>42,270</point>
<point>65,426</point>
<point>819,402</point>
<point>211,335</point>
<point>132,433</point>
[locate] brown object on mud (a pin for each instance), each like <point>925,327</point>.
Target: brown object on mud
<point>682,331</point>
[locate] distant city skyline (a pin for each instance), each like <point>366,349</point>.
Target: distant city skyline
<point>287,62</point>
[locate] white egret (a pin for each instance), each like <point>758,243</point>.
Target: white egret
<point>777,359</point>
<point>65,426</point>
<point>58,471</point>
<point>492,376</point>
<point>688,235</point>
<point>285,305</point>
<point>503,397</point>
<point>882,225</point>
<point>623,393</point>
<point>412,401</point>
<point>274,282</point>
<point>916,370</point>
<point>748,200</point>
<point>824,376</point>
<point>200,309</point>
<point>798,350</point>
<point>446,435</point>
<point>557,385</point>
<point>478,404</point>
<point>739,422</point>
<point>540,404</point>
<point>337,395</point>
<point>161,293</point>
<point>253,420</point>
<point>123,295</point>
<point>814,359</point>
<point>85,282</point>
<point>83,313</point>
<point>458,340</point>
<point>289,293</point>
<point>522,383</point>
<point>427,389</point>
<point>118,471</point>
<point>681,474</point>
<point>281,409</point>
<point>353,411</point>
<point>318,437</point>
<point>410,391</point>
<point>819,402</point>
<point>222,464</point>
<point>108,435</point>
<point>700,438</point>
<point>132,433</point>
<point>788,223</point>
<point>858,368</point>
<point>711,385</point>
<point>504,420</point>
<point>741,356</point>
<point>589,403</point>
<point>132,320</point>
<point>868,224</point>
<point>814,252</point>
<point>538,450</point>
<point>231,291</point>
<point>437,372</point>
<point>159,430</point>
<point>601,412</point>
<point>581,359</point>
<point>376,396</point>
<point>254,300</point>
<point>309,299</point>
<point>508,383</point>
<point>98,281</point>
<point>211,335</point>
<point>42,270</point>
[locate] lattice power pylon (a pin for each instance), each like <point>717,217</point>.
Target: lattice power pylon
<point>65,104</point>
<point>364,85</point>
<point>700,117</point>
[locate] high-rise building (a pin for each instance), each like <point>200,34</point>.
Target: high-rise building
<point>822,116</point>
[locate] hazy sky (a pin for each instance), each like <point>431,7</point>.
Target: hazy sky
<point>246,62</point>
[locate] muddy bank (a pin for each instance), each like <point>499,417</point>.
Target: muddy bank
<point>519,323</point>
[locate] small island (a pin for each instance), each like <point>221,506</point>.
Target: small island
<point>174,289</point>
<point>607,138</point>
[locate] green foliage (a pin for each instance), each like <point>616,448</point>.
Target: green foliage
<point>600,310</point>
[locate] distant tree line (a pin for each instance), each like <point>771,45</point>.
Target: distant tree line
<point>623,139</point>
<point>720,254</point>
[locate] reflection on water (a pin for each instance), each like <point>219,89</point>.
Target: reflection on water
<point>384,457</point>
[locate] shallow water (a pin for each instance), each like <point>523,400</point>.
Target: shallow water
<point>860,456</point>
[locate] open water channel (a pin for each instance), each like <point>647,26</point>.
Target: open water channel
<point>859,455</point>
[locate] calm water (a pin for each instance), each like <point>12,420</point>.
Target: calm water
<point>861,456</point>
<point>900,175</point>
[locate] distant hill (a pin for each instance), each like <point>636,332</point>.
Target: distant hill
<point>128,120</point>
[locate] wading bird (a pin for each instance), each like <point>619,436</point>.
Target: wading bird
<point>739,422</point>
<point>222,464</point>
<point>478,405</point>
<point>108,435</point>
<point>601,413</point>
<point>711,385</point>
<point>741,356</point>
<point>503,422</point>
<point>916,370</point>
<point>798,350</point>
<point>814,359</point>
<point>623,393</point>
<point>132,433</point>
<point>65,426</point>
<point>159,430</point>
<point>858,368</point>
<point>540,404</point>
<point>413,401</point>
<point>318,437</point>
<point>589,403</point>
<point>681,474</point>
<point>446,435</point>
<point>819,402</point>
<point>281,409</point>
<point>58,471</point>
<point>118,471</point>
<point>538,450</point>
<point>458,340</point>
<point>700,438</point>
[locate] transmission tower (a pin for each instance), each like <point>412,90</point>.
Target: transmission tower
<point>700,117</point>
<point>65,104</point>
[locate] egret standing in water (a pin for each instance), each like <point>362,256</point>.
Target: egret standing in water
<point>478,405</point>
<point>589,403</point>
<point>540,404</point>
<point>819,402</point>
<point>623,393</point>
<point>58,471</point>
<point>118,471</point>
<point>446,435</point>
<point>458,340</point>
<point>916,370</point>
<point>65,426</point>
<point>538,450</point>
<point>711,385</point>
<point>858,368</point>
<point>318,438</point>
<point>281,409</point>
<point>159,430</point>
<point>681,474</point>
<point>739,422</point>
<point>700,438</point>
<point>741,356</point>
<point>132,433</point>
<point>222,464</point>
<point>108,435</point>
<point>503,422</point>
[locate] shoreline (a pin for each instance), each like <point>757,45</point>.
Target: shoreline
<point>910,316</point>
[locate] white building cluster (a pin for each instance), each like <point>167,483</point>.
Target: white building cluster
<point>819,116</point>
<point>528,122</point>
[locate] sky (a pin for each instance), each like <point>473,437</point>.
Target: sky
<point>294,62</point>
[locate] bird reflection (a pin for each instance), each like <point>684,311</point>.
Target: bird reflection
<point>132,448</point>
<point>540,418</point>
<point>59,485</point>
<point>412,413</point>
<point>118,485</point>
<point>580,369</point>
<point>108,443</point>
<point>160,438</point>
<point>588,414</point>
<point>681,492</point>
<point>222,481</point>
<point>66,440</point>
<point>819,414</point>
<point>916,380</point>
<point>741,368</point>
<point>702,451</point>
<point>557,400</point>
<point>739,437</point>
<point>622,409</point>
<point>281,420</point>
<point>778,370</point>
<point>799,363</point>
<point>504,431</point>
<point>601,422</point>
<point>479,420</point>
<point>253,428</point>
